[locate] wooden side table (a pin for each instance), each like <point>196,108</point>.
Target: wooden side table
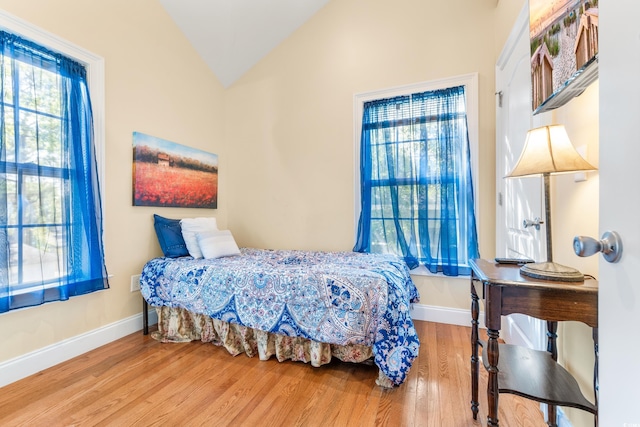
<point>513,369</point>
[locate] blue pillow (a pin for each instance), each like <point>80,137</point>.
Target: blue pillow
<point>170,237</point>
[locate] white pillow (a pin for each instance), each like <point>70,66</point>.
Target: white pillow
<point>190,227</point>
<point>217,244</point>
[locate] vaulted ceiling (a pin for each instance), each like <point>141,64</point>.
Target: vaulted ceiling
<point>233,35</point>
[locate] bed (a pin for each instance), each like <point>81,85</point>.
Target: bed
<point>294,305</point>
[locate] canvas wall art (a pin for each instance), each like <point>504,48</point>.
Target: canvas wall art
<point>167,174</point>
<point>564,44</point>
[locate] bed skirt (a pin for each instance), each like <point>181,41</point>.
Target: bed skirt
<point>180,325</point>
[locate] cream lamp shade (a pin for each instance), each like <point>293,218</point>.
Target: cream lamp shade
<point>548,150</point>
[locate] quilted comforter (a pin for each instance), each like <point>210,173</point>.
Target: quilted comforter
<point>338,298</point>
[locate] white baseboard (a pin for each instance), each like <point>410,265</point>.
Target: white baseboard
<point>31,363</point>
<point>451,316</point>
<point>510,332</point>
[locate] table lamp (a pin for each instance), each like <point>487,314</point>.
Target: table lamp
<point>547,150</point>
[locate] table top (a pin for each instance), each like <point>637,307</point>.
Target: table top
<point>509,275</point>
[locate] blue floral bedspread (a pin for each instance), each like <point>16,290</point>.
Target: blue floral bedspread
<point>338,298</point>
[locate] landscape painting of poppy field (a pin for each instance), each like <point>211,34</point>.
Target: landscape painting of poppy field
<point>167,174</point>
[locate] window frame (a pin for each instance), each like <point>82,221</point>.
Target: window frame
<point>94,65</point>
<point>470,82</point>
<point>95,68</point>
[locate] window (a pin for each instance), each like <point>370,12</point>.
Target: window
<point>416,179</point>
<point>50,209</point>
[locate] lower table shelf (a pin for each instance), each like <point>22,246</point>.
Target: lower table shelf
<point>535,375</point>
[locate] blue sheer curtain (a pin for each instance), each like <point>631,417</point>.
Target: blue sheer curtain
<point>416,186</point>
<point>50,209</point>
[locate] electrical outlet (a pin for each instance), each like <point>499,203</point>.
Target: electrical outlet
<point>135,282</point>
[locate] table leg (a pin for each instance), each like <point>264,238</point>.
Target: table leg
<point>492,384</point>
<point>475,309</point>
<point>552,347</point>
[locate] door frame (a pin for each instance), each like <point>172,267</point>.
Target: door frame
<point>515,330</point>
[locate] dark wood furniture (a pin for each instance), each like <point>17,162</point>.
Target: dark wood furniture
<point>145,317</point>
<point>512,369</point>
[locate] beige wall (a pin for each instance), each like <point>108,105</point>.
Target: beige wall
<point>156,84</point>
<point>289,121</point>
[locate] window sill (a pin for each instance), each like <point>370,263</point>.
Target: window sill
<point>423,271</point>
<point>34,288</point>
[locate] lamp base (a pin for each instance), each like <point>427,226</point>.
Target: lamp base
<point>552,271</point>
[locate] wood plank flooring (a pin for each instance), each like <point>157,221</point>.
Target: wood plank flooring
<point>137,381</point>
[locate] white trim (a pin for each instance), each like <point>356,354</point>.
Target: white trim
<point>520,27</point>
<point>95,78</point>
<point>421,270</point>
<point>510,331</point>
<point>470,81</point>
<point>521,24</point>
<point>28,364</point>
<point>31,363</point>
<point>451,316</point>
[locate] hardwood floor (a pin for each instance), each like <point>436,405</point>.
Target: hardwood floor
<point>139,381</point>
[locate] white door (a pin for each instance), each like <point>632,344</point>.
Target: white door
<point>619,294</point>
<point>619,208</point>
<point>519,199</point>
